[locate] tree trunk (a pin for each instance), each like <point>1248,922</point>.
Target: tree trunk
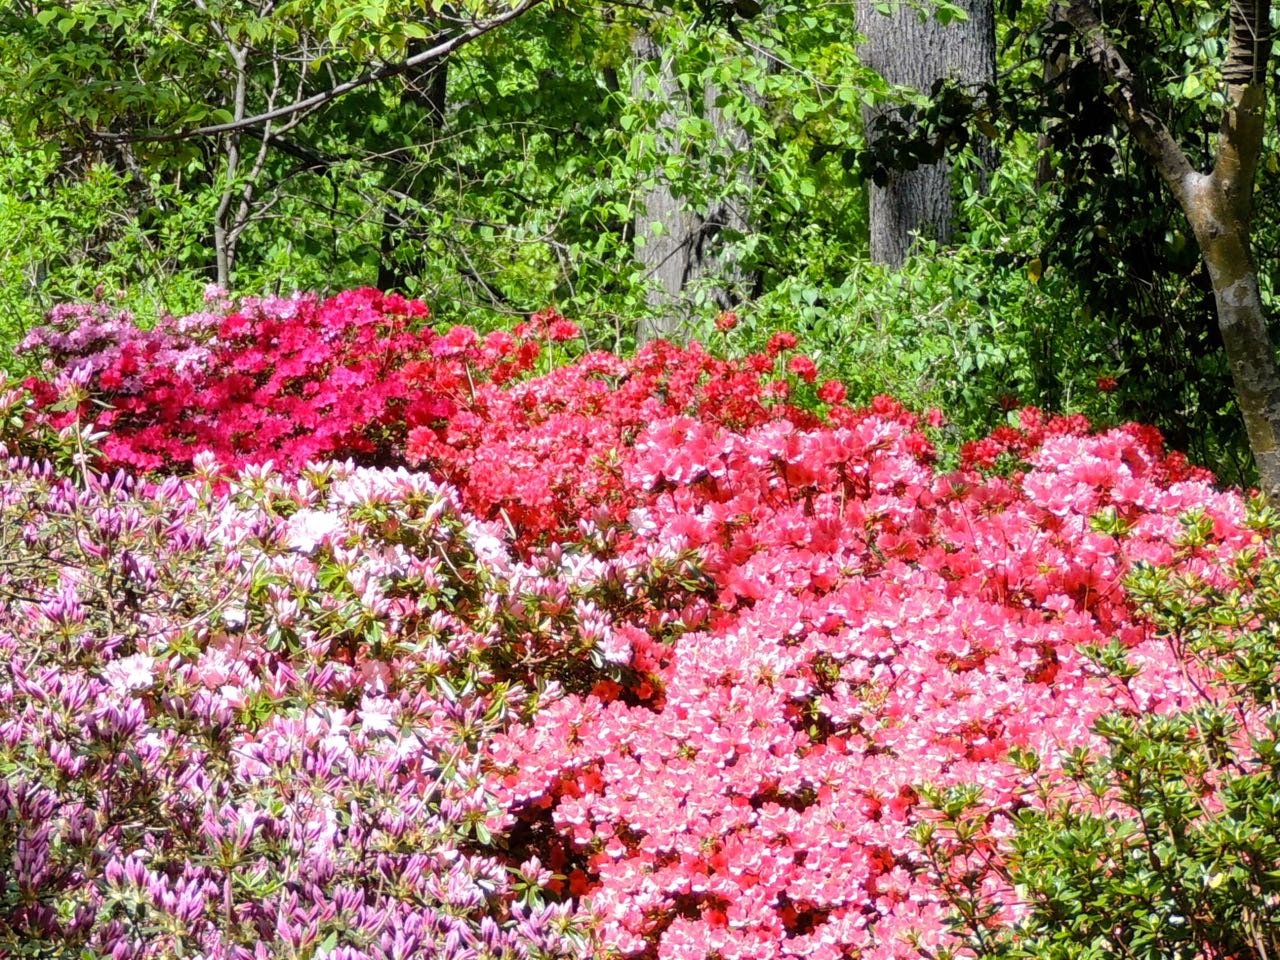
<point>1250,352</point>
<point>1218,204</point>
<point>687,246</point>
<point>908,51</point>
<point>427,89</point>
<point>1220,208</point>
<point>727,218</point>
<point>665,228</point>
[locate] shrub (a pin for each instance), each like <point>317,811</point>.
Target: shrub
<point>1163,842</point>
<point>249,723</point>
<point>789,635</point>
<point>289,379</point>
<point>873,630</point>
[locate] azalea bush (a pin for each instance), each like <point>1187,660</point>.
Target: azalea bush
<point>294,378</point>
<point>250,723</point>
<point>675,655</point>
<point>1165,842</point>
<point>362,376</point>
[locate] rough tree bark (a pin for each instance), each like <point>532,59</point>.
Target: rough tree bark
<point>689,245</point>
<point>1218,204</point>
<point>909,51</point>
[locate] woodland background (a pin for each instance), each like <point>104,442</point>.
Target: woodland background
<point>645,169</point>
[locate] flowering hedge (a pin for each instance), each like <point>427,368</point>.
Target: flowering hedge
<point>649,659</point>
<point>251,724</point>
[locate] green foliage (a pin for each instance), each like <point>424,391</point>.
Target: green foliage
<point>509,177</point>
<point>521,190</point>
<point>1172,879</point>
<point>63,240</point>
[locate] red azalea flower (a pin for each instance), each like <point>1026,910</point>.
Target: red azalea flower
<point>562,330</point>
<point>803,367</point>
<point>783,340</point>
<point>832,391</point>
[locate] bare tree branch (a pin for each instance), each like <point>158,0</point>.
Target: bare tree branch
<point>1128,97</point>
<point>442,49</point>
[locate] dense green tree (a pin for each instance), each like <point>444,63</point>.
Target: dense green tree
<point>1129,100</point>
<point>207,90</point>
<point>1218,204</point>
<point>508,174</point>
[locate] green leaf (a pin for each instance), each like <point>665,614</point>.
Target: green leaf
<point>946,13</point>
